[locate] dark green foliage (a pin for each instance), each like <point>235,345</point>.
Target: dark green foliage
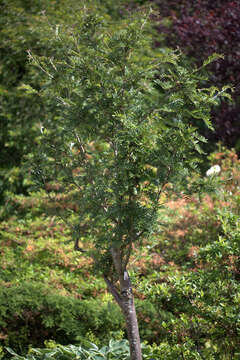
<point>33,313</point>
<point>47,291</point>
<point>20,111</point>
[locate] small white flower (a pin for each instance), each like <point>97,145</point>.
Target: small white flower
<point>42,129</point>
<point>71,145</point>
<point>213,170</point>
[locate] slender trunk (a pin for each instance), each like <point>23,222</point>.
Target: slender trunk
<point>126,302</point>
<point>132,328</point>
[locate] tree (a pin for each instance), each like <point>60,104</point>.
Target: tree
<point>120,128</point>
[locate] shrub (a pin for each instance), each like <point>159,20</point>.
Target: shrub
<point>30,313</point>
<point>201,28</point>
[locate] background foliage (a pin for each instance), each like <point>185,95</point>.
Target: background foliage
<point>201,28</point>
<point>24,25</point>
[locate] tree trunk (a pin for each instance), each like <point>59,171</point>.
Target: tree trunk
<point>132,328</point>
<point>126,302</point>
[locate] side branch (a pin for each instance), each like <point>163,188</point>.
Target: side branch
<point>77,247</point>
<point>113,290</point>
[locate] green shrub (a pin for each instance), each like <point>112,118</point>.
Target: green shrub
<point>30,313</point>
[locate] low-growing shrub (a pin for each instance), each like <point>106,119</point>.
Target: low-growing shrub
<point>30,313</point>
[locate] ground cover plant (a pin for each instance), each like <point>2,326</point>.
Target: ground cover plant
<point>114,351</point>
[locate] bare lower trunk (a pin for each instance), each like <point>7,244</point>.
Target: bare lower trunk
<point>132,329</point>
<point>125,300</point>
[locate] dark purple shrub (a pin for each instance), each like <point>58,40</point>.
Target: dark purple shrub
<point>201,28</point>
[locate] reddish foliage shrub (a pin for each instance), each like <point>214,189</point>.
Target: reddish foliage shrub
<point>201,28</point>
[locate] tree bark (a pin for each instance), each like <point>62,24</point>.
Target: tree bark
<point>129,312</point>
<point>125,300</point>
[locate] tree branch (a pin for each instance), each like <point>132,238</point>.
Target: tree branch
<point>77,247</point>
<point>113,290</point>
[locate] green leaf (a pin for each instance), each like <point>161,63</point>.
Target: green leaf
<point>212,58</point>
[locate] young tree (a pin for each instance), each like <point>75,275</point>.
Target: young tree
<point>120,128</point>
